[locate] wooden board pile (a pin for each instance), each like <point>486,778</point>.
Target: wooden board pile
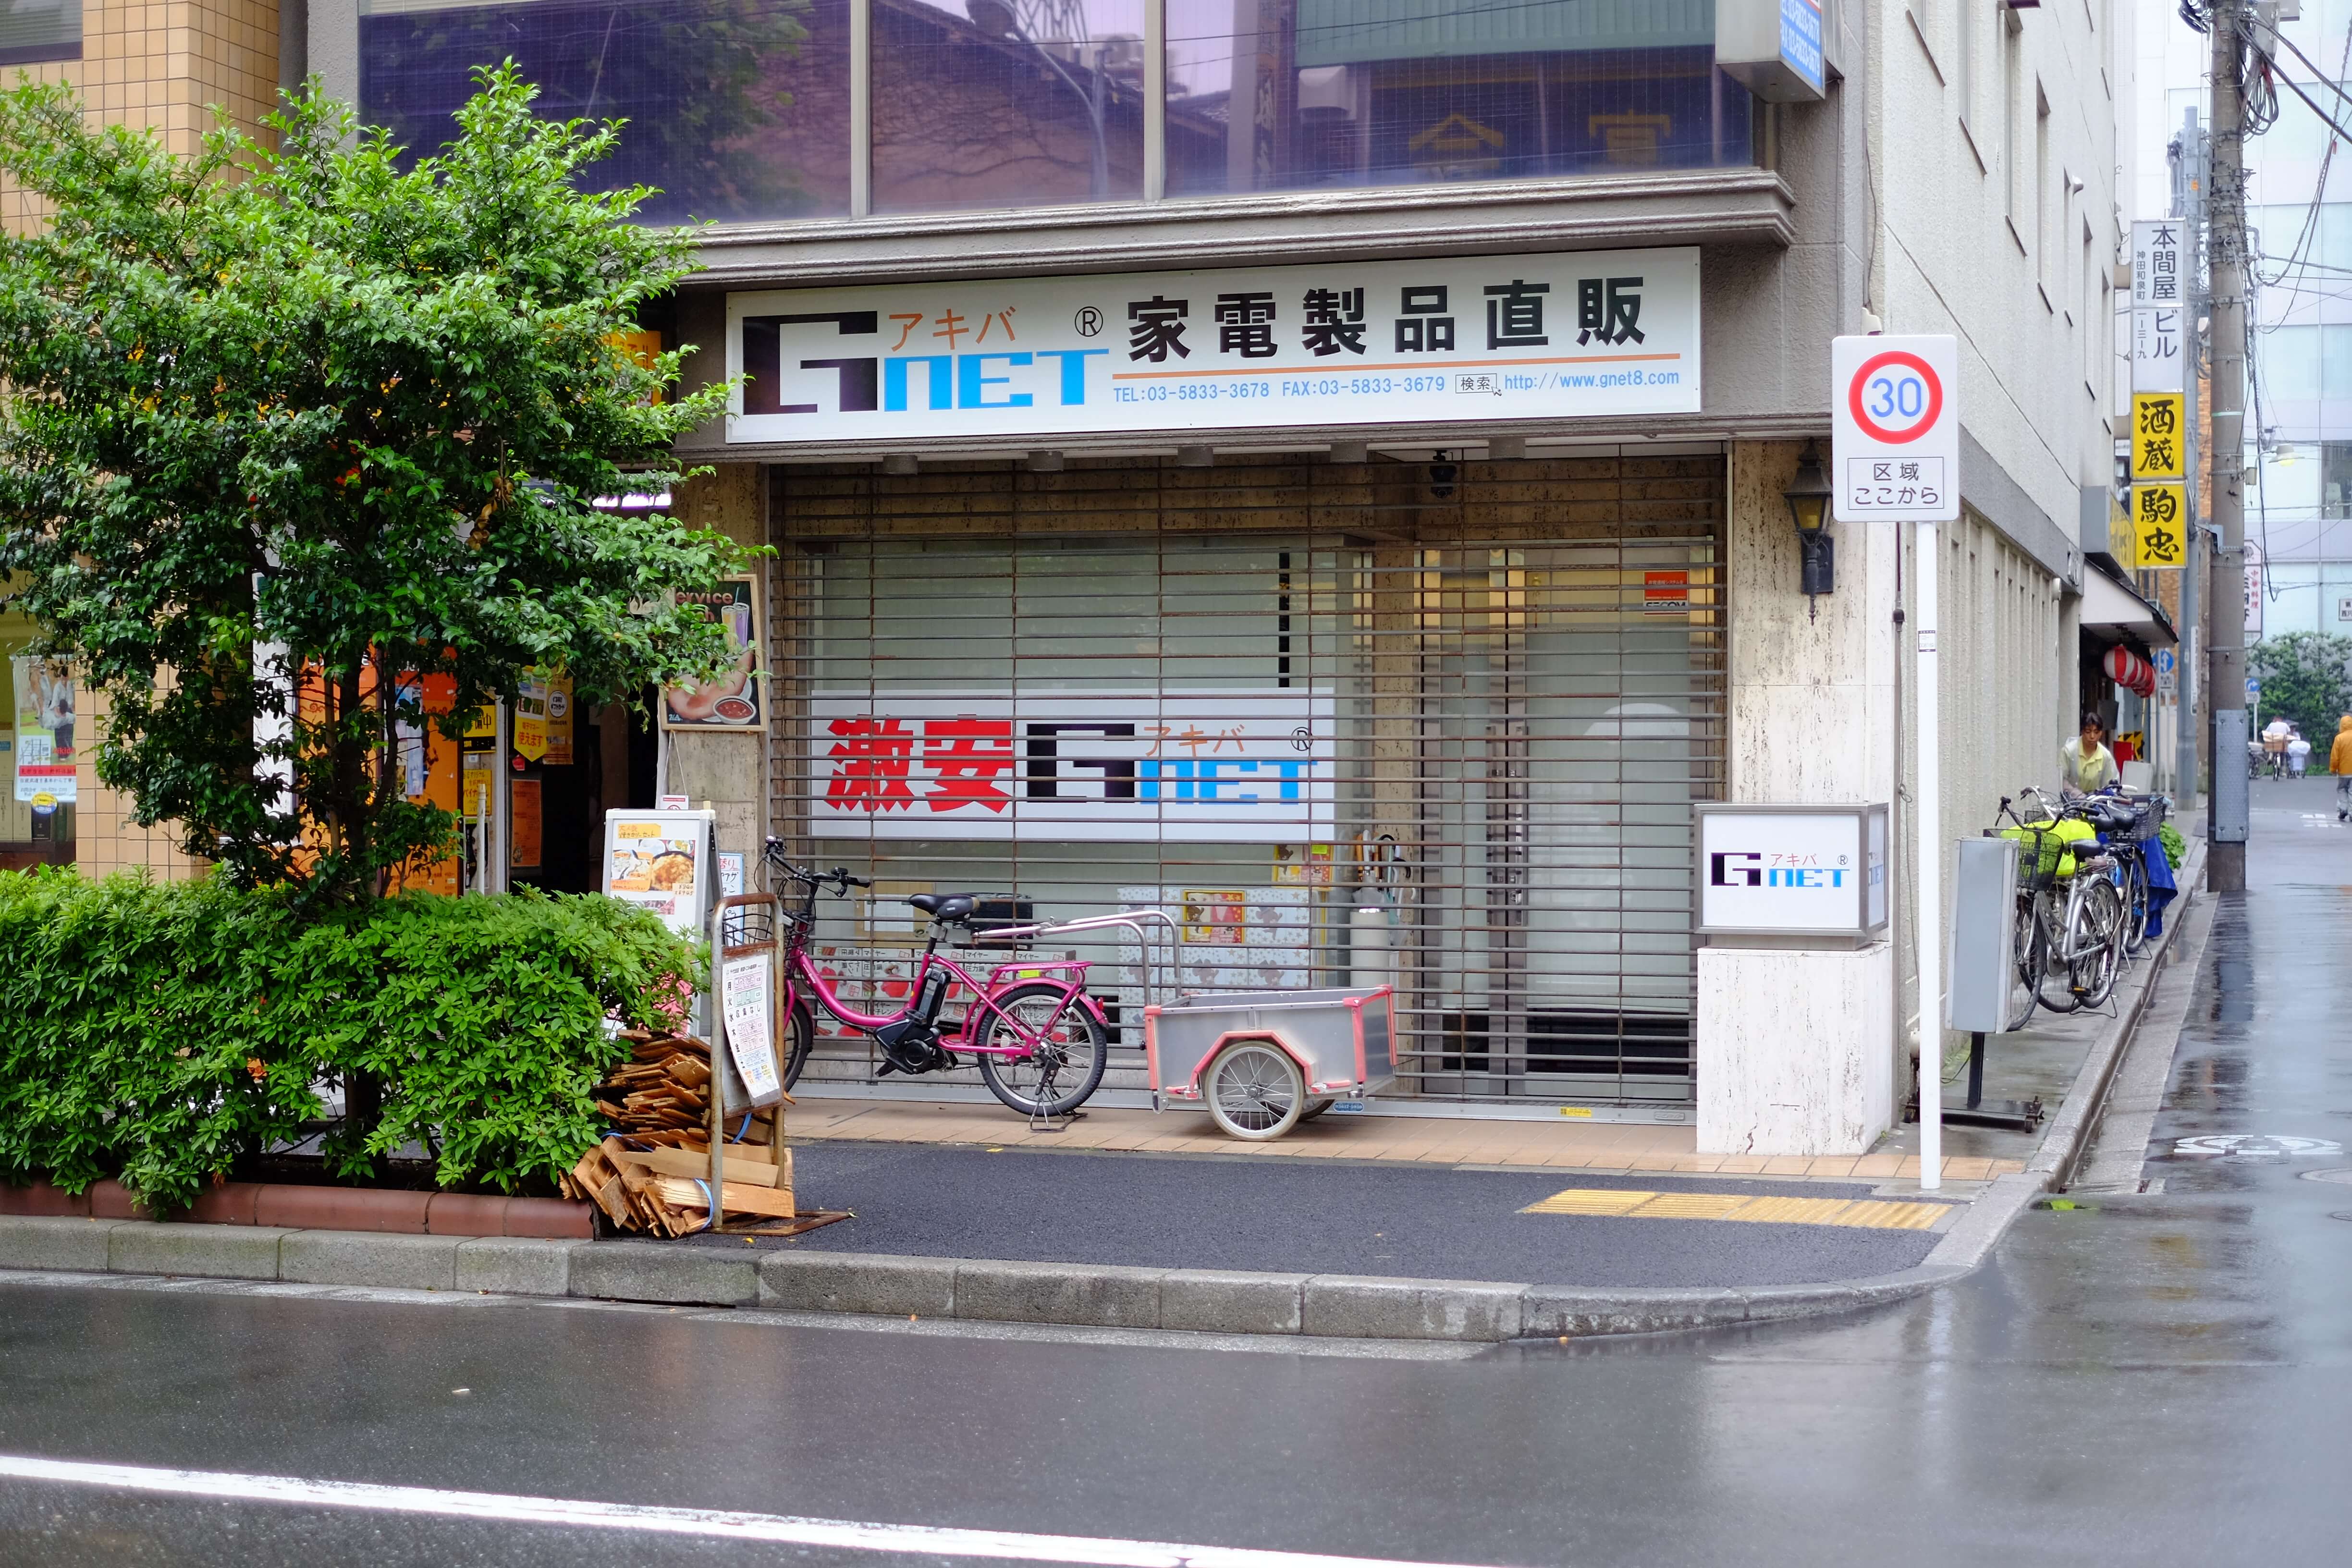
<point>653,1172</point>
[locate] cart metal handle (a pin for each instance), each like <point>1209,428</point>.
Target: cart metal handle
<point>1142,922</point>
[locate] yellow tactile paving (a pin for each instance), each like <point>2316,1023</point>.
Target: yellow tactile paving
<point>1590,1200</point>
<point>1634,1203</point>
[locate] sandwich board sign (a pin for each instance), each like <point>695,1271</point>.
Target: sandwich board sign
<point>1895,442</point>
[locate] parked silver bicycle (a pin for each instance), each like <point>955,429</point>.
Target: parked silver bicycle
<point>2072,925</point>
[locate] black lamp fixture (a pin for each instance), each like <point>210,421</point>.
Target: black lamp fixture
<point>1808,496</point>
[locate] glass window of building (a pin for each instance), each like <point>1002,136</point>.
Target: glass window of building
<point>738,111</point>
<point>1279,94</point>
<point>36,30</point>
<point>1007,103</point>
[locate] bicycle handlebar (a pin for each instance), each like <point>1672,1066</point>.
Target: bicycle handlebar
<point>839,875</point>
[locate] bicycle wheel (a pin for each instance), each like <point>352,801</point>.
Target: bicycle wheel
<point>800,1039</point>
<point>2093,943</point>
<point>1063,1067</point>
<point>2053,982</point>
<point>1254,1090</point>
<point>2136,904</point>
<point>2029,956</point>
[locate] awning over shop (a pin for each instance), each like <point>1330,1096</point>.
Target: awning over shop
<point>2113,611</point>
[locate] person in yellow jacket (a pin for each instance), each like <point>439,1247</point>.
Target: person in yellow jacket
<point>2339,762</point>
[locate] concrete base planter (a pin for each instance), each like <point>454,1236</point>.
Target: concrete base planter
<point>288,1206</point>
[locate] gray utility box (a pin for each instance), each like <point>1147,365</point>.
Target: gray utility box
<point>1980,951</point>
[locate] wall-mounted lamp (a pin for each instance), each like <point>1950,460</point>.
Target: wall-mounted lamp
<point>1195,458</point>
<point>1044,462</point>
<point>1443,471</point>
<point>1808,496</point>
<point>898,463</point>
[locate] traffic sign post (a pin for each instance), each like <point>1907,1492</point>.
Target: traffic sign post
<point>1894,445</point>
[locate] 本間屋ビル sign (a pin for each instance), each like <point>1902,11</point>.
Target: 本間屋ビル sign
<point>1373,343</point>
<point>1130,767</point>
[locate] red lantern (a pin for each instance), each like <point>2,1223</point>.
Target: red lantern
<point>2123,666</point>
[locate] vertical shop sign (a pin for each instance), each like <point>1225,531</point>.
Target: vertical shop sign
<point>2160,527</point>
<point>560,714</point>
<point>530,727</point>
<point>45,733</point>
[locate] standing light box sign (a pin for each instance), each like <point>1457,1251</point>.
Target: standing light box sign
<point>1896,428</point>
<point>1440,340</point>
<point>661,861</point>
<point>1149,766</point>
<point>1791,870</point>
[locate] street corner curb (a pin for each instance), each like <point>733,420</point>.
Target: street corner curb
<point>1232,1302</point>
<point>1985,1221</point>
<point>1577,1313</point>
<point>875,1282</point>
<point>1105,1296</point>
<point>380,1259</point>
<point>1342,1306</point>
<point>515,1266</point>
<point>215,1251</point>
<point>28,1241</point>
<point>649,1271</point>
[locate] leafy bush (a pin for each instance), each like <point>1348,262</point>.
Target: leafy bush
<point>157,1032</point>
<point>2175,846</point>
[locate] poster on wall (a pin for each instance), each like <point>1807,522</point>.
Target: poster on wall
<point>1438,339</point>
<point>1248,765</point>
<point>45,732</point>
<point>734,699</point>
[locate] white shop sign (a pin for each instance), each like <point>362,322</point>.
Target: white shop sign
<point>1444,340</point>
<point>1240,766</point>
<point>1791,870</point>
<point>2160,262</point>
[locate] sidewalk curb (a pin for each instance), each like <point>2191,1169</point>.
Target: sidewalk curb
<point>1092,1295</point>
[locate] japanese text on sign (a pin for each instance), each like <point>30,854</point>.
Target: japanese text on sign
<point>1895,427</point>
<point>2159,526</point>
<point>2158,436</point>
<point>1139,766</point>
<point>1592,333</point>
<point>2160,262</point>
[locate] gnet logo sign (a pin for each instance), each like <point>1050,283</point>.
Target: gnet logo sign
<point>1791,870</point>
<point>1755,869</point>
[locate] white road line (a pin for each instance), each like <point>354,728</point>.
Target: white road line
<point>918,1539</point>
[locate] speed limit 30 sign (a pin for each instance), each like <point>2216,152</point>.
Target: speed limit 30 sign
<point>1896,431</point>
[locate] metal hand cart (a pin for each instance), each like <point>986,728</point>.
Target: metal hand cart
<point>1262,1062</point>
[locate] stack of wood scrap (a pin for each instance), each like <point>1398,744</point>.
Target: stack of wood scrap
<point>667,1189</point>
<point>652,1172</point>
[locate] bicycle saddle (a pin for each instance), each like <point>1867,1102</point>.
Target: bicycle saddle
<point>948,907</point>
<point>2113,816</point>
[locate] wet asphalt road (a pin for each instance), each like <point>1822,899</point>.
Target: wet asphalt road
<point>2161,1377</point>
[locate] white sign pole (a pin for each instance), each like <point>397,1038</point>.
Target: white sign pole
<point>1895,410</point>
<point>1931,876</point>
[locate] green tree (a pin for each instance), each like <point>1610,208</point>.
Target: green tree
<point>2303,677</point>
<point>308,412</point>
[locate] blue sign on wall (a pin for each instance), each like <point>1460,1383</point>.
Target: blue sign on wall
<point>1800,39</point>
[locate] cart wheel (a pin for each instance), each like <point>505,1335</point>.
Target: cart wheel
<point>1254,1091</point>
<point>1316,1110</point>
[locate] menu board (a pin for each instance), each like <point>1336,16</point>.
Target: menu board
<point>656,859</point>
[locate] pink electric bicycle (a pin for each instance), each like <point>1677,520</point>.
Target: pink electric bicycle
<point>1040,1039</point>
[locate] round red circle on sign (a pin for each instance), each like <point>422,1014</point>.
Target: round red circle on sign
<point>1928,377</point>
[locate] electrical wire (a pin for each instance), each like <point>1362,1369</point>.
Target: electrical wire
<point>2325,118</point>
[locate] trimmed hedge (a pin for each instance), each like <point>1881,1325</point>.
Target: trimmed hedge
<point>155,1032</point>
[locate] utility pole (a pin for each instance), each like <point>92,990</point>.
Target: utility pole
<point>2228,814</point>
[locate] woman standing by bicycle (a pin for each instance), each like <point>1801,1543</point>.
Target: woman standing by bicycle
<point>2084,764</point>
